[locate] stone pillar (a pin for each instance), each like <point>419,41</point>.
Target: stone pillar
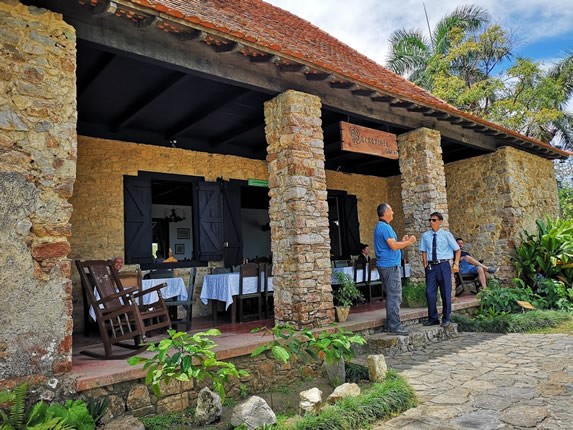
<point>298,210</point>
<point>37,173</point>
<point>423,187</point>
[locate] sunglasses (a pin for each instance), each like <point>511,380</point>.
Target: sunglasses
<point>433,220</point>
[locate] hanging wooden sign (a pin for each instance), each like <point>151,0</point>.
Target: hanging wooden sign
<point>356,138</point>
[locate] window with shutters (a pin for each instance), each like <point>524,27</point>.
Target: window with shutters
<point>343,224</point>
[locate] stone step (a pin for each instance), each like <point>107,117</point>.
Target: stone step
<point>391,344</point>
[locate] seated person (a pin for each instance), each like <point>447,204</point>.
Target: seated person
<point>117,263</point>
<point>171,258</point>
<point>159,256</point>
<point>469,265</point>
<point>364,256</point>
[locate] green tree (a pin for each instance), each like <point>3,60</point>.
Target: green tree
<point>465,63</point>
<point>411,52</point>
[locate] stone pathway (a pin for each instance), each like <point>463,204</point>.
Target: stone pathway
<point>489,381</point>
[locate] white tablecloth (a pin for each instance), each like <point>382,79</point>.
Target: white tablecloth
<point>175,288</point>
<point>224,286</point>
<point>350,271</point>
<point>405,272</point>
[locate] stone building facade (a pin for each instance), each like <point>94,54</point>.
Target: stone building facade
<point>62,194</point>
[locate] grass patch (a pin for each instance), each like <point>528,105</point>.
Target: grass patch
<point>526,322</point>
<point>381,401</point>
<point>356,372</point>
<point>167,421</point>
<point>564,327</point>
<point>414,295</point>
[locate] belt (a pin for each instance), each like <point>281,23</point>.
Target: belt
<point>438,262</point>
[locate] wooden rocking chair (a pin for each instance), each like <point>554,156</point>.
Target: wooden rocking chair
<point>122,322</point>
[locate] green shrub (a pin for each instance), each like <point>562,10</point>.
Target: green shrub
<point>382,401</point>
<point>547,253</point>
<point>185,357</point>
<point>73,414</point>
<point>498,300</point>
<point>510,323</point>
<point>414,295</point>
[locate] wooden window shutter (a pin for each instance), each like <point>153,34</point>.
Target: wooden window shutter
<point>208,221</point>
<point>137,220</point>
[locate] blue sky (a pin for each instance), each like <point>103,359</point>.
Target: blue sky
<point>542,29</point>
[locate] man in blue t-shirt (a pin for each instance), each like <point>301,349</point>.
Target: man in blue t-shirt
<point>388,259</point>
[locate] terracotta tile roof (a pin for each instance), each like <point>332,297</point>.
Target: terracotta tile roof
<point>273,29</point>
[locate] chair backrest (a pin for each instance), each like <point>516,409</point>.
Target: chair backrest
<point>267,269</point>
<point>249,270</point>
<point>219,270</point>
<point>161,274</point>
<point>342,263</point>
<point>360,272</point>
<point>100,279</point>
<point>371,267</point>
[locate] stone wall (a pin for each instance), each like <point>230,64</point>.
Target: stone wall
<point>37,171</point>
<point>298,210</point>
<point>136,398</point>
<point>492,198</point>
<point>423,186</point>
<point>103,163</point>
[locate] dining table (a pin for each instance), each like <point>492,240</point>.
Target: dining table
<point>223,286</point>
<point>349,270</point>
<point>175,288</point>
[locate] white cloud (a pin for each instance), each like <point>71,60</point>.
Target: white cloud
<point>366,25</point>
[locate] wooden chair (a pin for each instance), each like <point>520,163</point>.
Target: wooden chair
<point>249,270</point>
<point>160,274</point>
<point>172,305</point>
<point>375,286</point>
<point>468,281</point>
<point>360,276</point>
<point>268,297</point>
<point>119,317</point>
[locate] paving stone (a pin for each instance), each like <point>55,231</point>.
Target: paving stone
<point>487,381</point>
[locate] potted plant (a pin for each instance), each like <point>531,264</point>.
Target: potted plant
<point>345,295</point>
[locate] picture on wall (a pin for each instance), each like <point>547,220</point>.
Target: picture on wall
<point>179,248</point>
<point>183,233</point>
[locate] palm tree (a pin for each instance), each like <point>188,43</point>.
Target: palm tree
<point>411,52</point>
<point>562,130</point>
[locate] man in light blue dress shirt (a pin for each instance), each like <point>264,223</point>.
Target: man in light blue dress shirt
<point>437,247</point>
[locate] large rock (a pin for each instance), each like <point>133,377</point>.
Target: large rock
<point>254,413</point>
<point>377,367</point>
<point>310,400</point>
<point>125,422</point>
<point>342,391</point>
<point>209,407</point>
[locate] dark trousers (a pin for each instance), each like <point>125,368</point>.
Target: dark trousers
<point>439,275</point>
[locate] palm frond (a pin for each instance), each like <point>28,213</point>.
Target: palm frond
<point>409,51</point>
<point>467,18</point>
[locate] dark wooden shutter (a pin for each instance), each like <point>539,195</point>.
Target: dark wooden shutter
<point>351,230</point>
<point>208,221</point>
<point>137,220</point>
<point>233,237</point>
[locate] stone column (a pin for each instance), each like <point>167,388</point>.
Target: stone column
<point>37,173</point>
<point>423,187</point>
<point>298,210</point>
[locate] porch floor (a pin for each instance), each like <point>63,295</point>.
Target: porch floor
<point>235,340</point>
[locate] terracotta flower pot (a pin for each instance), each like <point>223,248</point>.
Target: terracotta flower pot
<point>341,313</point>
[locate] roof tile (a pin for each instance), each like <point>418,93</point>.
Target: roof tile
<point>285,34</point>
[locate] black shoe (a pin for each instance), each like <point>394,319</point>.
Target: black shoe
<point>428,323</point>
<point>445,324</point>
